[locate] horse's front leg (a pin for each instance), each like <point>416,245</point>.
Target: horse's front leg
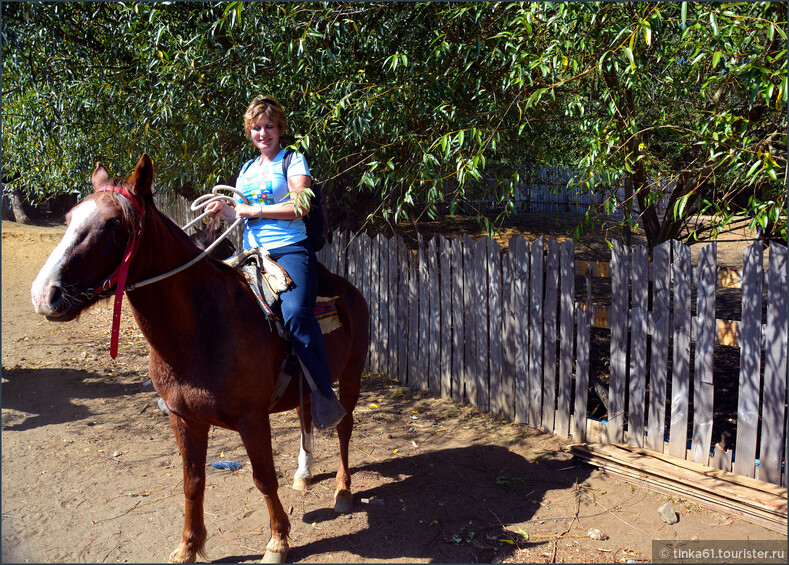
<point>192,438</point>
<point>256,435</point>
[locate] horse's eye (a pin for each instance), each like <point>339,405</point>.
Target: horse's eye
<point>112,223</point>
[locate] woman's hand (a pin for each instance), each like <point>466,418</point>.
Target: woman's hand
<point>222,209</point>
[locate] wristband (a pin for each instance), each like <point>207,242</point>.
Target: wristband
<point>260,211</point>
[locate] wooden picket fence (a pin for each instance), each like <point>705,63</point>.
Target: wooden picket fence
<point>503,331</point>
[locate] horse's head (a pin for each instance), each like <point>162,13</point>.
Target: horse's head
<point>81,268</point>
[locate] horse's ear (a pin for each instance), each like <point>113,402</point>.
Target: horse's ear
<point>142,177</point>
<point>100,176</point>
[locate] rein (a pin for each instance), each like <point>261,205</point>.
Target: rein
<point>118,276</point>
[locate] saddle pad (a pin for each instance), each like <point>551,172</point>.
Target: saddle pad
<point>325,313</point>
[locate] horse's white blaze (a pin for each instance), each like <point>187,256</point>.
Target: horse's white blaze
<point>50,272</point>
<point>305,457</point>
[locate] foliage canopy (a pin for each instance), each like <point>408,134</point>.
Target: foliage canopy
<point>413,109</point>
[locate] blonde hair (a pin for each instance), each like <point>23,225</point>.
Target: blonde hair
<point>268,106</point>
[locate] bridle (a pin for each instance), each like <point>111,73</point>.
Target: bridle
<point>118,277</point>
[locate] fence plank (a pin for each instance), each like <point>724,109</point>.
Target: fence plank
<point>434,318</point>
<point>364,278</point>
<point>703,392</point>
<point>656,422</point>
<point>383,304</point>
<point>496,331</point>
<point>394,297</point>
<point>520,268</point>
<point>482,376</point>
<point>619,292</point>
<point>534,408</point>
<point>750,360</point>
<point>375,293</point>
<point>424,315</point>
<point>680,367</point>
<point>584,315</point>
<point>372,298</point>
<point>403,310</point>
<point>337,252</point>
<point>566,338</point>
<point>413,322</point>
<point>341,238</point>
<point>330,254</point>
<point>549,332</point>
<point>458,320</point>
<point>638,345</point>
<point>505,400</point>
<point>353,257</point>
<point>371,267</point>
<point>773,420</point>
<point>470,324</point>
<point>445,261</point>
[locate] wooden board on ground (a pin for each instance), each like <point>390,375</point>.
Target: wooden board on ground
<point>754,500</point>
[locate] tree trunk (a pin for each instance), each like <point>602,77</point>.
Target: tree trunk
<point>16,205</point>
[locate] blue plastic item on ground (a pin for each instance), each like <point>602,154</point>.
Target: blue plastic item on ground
<point>229,465</point>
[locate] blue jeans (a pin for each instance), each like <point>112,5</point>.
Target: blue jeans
<point>298,303</point>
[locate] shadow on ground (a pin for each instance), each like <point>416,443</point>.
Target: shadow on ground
<point>447,506</point>
<point>47,396</point>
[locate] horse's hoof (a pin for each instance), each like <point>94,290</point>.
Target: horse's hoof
<point>275,557</point>
<point>182,555</point>
<point>276,551</point>
<point>300,483</point>
<point>343,502</point>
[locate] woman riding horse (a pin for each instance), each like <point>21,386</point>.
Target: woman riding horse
<point>273,221</point>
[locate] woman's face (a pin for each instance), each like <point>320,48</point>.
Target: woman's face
<point>265,135</point>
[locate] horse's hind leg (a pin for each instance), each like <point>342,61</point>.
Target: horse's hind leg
<point>303,476</point>
<point>192,438</point>
<point>256,436</point>
<point>349,395</point>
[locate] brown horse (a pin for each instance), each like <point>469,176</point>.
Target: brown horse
<point>213,357</point>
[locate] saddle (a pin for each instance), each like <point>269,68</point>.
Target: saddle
<point>267,279</point>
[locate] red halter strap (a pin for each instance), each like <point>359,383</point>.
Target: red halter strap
<point>119,275</point>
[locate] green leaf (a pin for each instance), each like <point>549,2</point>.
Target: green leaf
<point>684,13</point>
<point>629,53</point>
<point>648,34</point>
<point>757,164</point>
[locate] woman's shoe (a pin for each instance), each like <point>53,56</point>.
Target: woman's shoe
<point>326,411</point>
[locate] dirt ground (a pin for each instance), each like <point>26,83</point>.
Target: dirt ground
<point>91,472</point>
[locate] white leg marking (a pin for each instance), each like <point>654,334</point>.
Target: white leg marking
<point>305,457</point>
